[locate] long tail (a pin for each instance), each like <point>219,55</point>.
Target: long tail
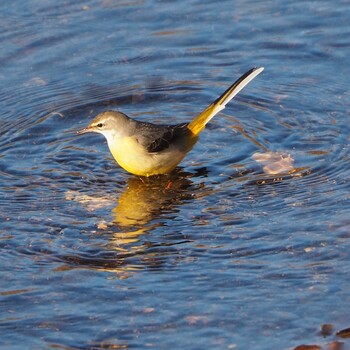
<point>199,123</point>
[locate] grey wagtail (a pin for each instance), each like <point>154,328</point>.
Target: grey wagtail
<point>147,149</point>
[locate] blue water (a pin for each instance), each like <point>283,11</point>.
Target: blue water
<point>227,257</point>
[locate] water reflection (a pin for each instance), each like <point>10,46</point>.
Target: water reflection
<point>140,208</point>
<point>145,200</point>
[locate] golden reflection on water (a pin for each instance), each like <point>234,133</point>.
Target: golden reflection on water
<point>143,201</point>
<point>138,209</point>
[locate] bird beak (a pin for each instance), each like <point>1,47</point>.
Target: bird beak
<point>85,130</point>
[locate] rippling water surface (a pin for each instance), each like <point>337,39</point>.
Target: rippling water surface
<point>227,256</point>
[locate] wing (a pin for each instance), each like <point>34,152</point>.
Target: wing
<point>156,138</point>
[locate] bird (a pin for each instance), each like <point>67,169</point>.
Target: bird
<point>146,149</point>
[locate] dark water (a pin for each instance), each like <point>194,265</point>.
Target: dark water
<point>227,257</point>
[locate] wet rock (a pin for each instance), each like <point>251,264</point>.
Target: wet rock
<point>335,345</point>
<point>344,333</point>
<point>326,329</point>
<point>307,347</point>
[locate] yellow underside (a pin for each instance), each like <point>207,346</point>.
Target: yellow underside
<point>136,160</point>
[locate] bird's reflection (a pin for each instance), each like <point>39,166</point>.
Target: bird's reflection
<point>138,210</point>
<point>144,200</point>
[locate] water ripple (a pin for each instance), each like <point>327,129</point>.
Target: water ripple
<point>82,241</point>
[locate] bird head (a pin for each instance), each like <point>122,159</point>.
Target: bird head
<point>109,124</point>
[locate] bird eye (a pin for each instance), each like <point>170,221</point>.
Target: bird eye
<point>99,125</point>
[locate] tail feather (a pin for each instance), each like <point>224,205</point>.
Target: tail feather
<point>199,123</point>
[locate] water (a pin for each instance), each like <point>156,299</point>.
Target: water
<point>227,256</point>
